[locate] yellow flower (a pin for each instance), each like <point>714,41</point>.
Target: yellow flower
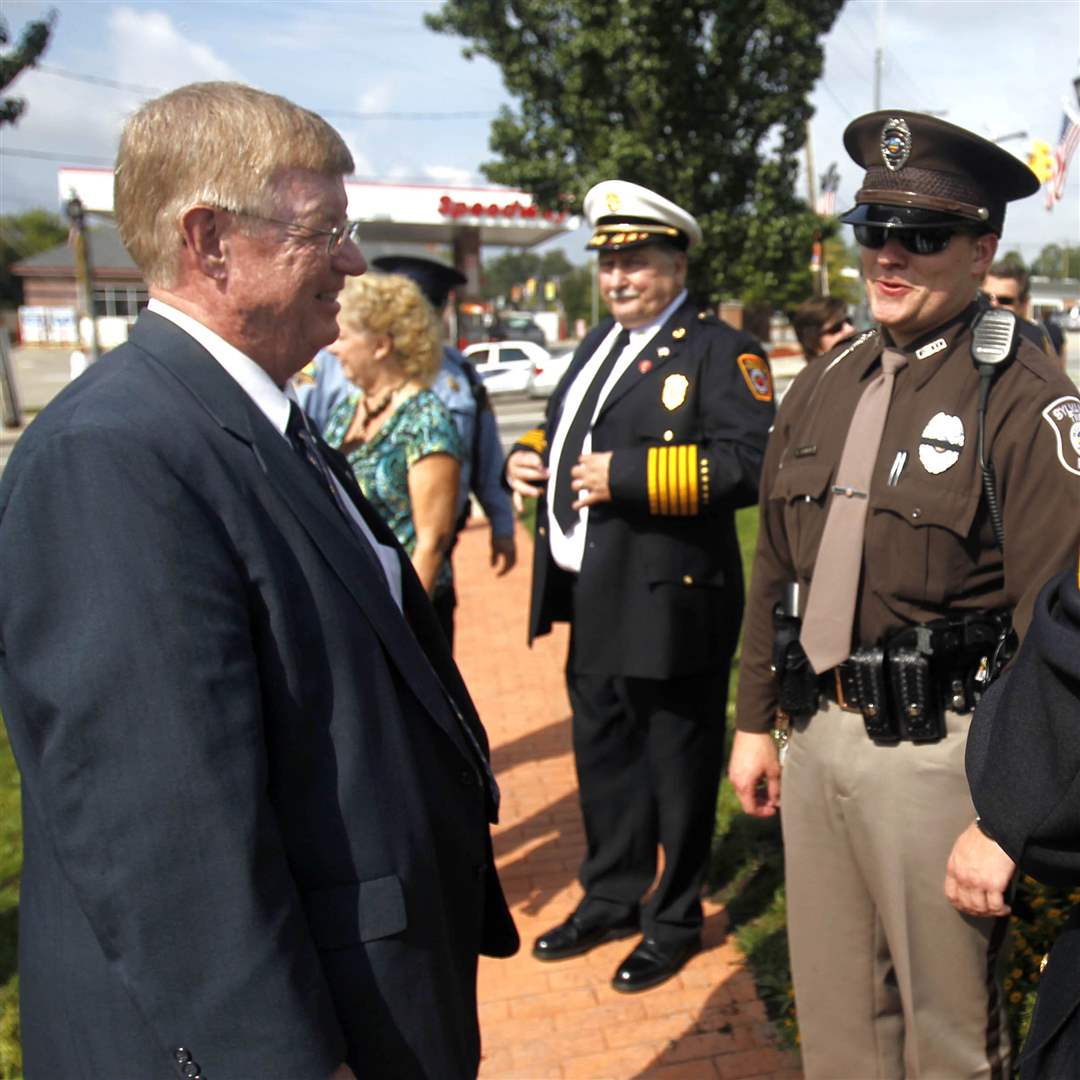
<point>1015,997</point>
<point>1016,973</point>
<point>1054,913</point>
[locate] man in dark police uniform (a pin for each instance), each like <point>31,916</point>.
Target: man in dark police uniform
<point>651,441</point>
<point>874,499</point>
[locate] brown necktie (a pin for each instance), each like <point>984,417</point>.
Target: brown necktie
<point>830,611</point>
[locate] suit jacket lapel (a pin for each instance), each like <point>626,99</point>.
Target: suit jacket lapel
<point>300,489</point>
<point>661,350</point>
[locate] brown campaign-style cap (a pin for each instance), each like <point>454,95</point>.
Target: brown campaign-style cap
<point>922,172</point>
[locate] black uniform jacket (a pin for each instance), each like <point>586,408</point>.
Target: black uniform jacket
<point>256,833</point>
<point>660,592</point>
<point>1023,764</point>
<point>929,548</point>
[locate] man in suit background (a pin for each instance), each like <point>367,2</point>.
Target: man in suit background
<point>651,441</point>
<point>256,794</point>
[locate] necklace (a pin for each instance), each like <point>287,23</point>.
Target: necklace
<point>373,406</point>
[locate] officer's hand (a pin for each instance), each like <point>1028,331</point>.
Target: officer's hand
<point>526,475</point>
<point>590,478</point>
<point>754,771</point>
<point>503,554</point>
<point>978,873</point>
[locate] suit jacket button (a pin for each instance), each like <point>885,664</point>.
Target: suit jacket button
<point>669,435</point>
<point>687,579</point>
<point>542,530</point>
<point>192,1071</point>
<point>182,1055</point>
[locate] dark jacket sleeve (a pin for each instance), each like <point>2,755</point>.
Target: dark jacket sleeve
<point>130,684</point>
<point>1023,753</point>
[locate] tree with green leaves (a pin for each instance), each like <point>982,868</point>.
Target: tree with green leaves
<point>1058,261</point>
<point>705,102</point>
<point>23,235</point>
<point>32,42</point>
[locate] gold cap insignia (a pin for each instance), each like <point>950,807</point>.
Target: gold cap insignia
<point>674,392</point>
<point>613,202</point>
<point>679,334</point>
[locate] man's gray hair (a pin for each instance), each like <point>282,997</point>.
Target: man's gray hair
<point>210,144</point>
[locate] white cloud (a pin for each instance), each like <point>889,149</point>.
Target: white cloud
<point>451,175</point>
<point>149,49</point>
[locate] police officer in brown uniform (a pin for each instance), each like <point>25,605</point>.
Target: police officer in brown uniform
<point>652,439</point>
<point>888,570</point>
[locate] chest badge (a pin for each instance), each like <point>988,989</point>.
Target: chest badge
<point>941,442</point>
<point>674,392</point>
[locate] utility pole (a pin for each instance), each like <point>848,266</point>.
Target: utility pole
<point>817,258</point>
<point>84,275</point>
<point>879,54</point>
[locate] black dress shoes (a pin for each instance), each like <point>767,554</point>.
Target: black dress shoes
<point>652,963</point>
<point>577,936</point>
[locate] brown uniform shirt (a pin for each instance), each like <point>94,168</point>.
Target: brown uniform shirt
<point>929,547</point>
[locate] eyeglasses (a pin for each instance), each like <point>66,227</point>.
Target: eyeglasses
<point>838,326</point>
<point>337,236</point>
<point>928,241</point>
<point>1003,301</point>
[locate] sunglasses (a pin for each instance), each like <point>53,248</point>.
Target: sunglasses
<point>928,241</point>
<point>1004,301</point>
<point>837,326</point>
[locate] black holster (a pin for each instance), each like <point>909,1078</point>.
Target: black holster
<point>797,685</point>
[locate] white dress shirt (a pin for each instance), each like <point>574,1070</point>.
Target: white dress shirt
<point>274,404</point>
<point>568,549</point>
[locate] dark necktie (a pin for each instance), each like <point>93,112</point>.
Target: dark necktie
<point>303,441</point>
<point>830,611</point>
<point>580,426</point>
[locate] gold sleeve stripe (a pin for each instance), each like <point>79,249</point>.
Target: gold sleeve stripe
<point>534,440</point>
<point>692,477</point>
<point>672,480</point>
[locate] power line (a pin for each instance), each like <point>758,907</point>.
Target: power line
<point>46,155</point>
<point>138,88</point>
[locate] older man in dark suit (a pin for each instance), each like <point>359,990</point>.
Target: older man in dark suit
<point>652,439</point>
<point>256,793</point>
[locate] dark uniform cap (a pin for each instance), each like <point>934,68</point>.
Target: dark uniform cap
<point>625,215</point>
<point>435,279</point>
<point>923,172</point>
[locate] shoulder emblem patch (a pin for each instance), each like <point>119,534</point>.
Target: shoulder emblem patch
<point>758,377</point>
<point>307,375</point>
<point>1063,416</point>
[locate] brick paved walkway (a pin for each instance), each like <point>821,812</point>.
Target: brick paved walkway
<point>556,1020</point>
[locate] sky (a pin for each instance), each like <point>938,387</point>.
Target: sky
<point>387,83</point>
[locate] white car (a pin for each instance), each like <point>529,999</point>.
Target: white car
<point>505,366</point>
<point>546,374</point>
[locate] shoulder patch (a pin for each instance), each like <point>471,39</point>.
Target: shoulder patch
<point>307,375</point>
<point>1063,416</point>
<point>755,371</point>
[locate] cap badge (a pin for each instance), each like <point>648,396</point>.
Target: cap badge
<point>895,143</point>
<point>674,392</point>
<point>613,202</point>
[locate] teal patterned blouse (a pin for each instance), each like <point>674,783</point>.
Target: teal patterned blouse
<point>419,426</point>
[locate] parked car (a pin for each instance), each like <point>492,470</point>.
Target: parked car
<point>545,374</point>
<point>516,326</point>
<point>505,366</point>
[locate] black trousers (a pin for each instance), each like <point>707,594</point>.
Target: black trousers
<point>649,755</point>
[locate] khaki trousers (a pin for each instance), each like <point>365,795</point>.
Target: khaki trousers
<point>890,981</point>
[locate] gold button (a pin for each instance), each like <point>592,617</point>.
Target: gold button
<point>687,579</point>
<point>917,512</point>
<point>669,435</point>
<point>542,531</point>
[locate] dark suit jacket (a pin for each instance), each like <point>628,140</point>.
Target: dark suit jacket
<point>660,592</point>
<point>1023,764</point>
<point>254,826</point>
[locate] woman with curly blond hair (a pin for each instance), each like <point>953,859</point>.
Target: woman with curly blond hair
<point>399,438</point>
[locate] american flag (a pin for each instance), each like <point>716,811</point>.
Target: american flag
<point>826,200</point>
<point>1063,152</point>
